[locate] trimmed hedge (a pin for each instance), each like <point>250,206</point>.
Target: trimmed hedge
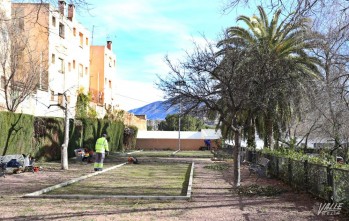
<point>17,132</point>
<point>42,137</point>
<point>49,142</point>
<point>94,128</point>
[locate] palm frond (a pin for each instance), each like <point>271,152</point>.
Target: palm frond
<point>264,17</point>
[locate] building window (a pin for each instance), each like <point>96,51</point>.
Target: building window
<point>86,41</point>
<point>74,31</point>
<point>53,59</point>
<point>74,64</point>
<point>61,65</point>
<point>21,23</point>
<point>3,82</point>
<point>52,95</point>
<point>20,60</point>
<point>60,99</point>
<point>81,39</point>
<point>61,30</point>
<point>54,21</point>
<point>18,14</point>
<point>81,70</point>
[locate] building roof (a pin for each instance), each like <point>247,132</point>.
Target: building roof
<point>203,134</point>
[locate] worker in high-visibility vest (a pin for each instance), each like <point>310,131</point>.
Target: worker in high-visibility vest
<point>101,149</point>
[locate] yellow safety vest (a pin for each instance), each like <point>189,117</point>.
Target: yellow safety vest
<point>101,145</point>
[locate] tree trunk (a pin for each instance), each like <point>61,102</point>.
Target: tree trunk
<point>64,149</point>
<point>236,156</point>
<point>269,132</point>
<point>251,138</point>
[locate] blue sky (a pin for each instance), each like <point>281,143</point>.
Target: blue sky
<point>144,31</point>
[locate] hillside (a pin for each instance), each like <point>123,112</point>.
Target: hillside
<point>155,111</point>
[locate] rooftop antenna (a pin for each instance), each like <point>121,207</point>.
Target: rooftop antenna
<point>110,37</point>
<point>93,29</point>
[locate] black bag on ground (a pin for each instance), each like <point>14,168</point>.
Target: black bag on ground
<point>13,163</point>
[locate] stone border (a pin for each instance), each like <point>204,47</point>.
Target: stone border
<point>39,194</point>
<point>134,152</point>
<point>174,153</point>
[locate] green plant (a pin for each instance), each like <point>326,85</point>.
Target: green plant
<point>129,137</point>
<point>217,166</point>
<point>256,190</point>
<point>83,108</point>
<point>114,115</point>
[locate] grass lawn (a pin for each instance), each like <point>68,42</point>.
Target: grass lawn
<point>150,179</point>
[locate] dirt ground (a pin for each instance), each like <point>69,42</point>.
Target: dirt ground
<point>212,199</point>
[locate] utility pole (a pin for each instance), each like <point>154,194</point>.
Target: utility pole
<point>180,84</point>
<point>179,125</point>
<point>64,147</point>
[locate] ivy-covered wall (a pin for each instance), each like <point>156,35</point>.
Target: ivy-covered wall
<point>42,137</point>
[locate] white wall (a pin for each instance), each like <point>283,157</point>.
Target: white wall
<point>70,50</point>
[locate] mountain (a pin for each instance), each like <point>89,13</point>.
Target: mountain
<point>157,110</point>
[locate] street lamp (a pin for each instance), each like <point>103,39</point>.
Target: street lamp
<point>179,84</point>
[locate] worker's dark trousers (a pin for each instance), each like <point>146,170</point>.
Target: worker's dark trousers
<point>99,161</point>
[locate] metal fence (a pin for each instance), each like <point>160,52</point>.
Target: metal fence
<point>328,183</point>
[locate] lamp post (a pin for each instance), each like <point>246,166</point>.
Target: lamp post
<point>179,84</point>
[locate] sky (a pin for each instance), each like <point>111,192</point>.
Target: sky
<point>143,32</point>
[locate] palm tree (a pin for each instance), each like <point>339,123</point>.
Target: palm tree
<point>281,67</point>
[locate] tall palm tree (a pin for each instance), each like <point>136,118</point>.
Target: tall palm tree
<point>281,67</point>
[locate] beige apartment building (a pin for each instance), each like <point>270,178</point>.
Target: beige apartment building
<point>62,46</point>
<point>103,85</point>
<point>102,79</point>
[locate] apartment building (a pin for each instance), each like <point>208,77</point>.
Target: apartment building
<point>102,78</point>
<point>62,46</point>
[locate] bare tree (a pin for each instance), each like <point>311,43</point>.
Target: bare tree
<point>80,5</point>
<point>21,64</point>
<point>213,84</point>
<point>299,7</point>
<point>334,53</point>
